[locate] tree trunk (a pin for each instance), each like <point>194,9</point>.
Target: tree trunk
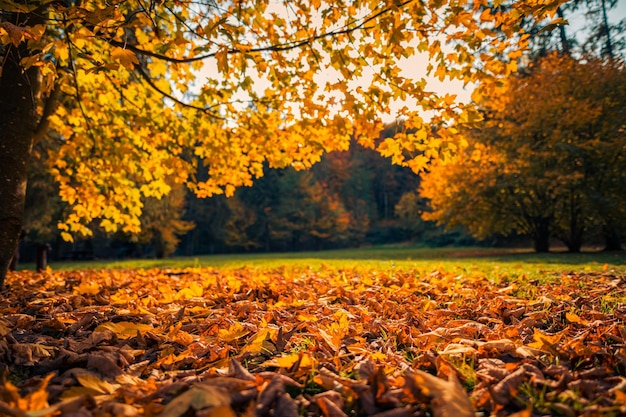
<point>574,245</point>
<point>541,235</point>
<point>159,245</point>
<point>542,243</point>
<point>608,44</point>
<point>18,124</point>
<point>612,241</point>
<point>562,35</point>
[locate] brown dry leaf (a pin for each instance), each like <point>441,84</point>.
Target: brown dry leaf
<point>269,393</point>
<point>528,412</point>
<point>506,389</point>
<point>448,398</point>
<point>222,411</point>
<point>329,408</point>
<point>31,353</point>
<point>119,409</point>
<point>104,362</point>
<point>16,33</point>
<point>197,398</point>
<point>286,407</point>
<point>236,370</point>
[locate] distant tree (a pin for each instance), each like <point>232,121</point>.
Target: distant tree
<point>409,210</point>
<point>605,39</point>
<point>162,221</point>
<point>548,160</point>
<point>307,215</point>
<point>44,208</point>
<point>241,217</point>
<point>210,216</point>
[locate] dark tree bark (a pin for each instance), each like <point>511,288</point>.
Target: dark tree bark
<point>541,235</point>
<point>606,31</point>
<point>159,245</point>
<point>541,243</point>
<point>612,240</point>
<point>18,127</point>
<point>565,43</point>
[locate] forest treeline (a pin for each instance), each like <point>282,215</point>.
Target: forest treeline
<point>349,199</point>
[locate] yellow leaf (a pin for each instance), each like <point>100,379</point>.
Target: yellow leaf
<point>235,332</point>
<point>124,329</point>
<point>192,290</point>
<point>306,317</point>
<point>288,361</point>
<point>94,383</point>
<point>124,56</point>
<point>91,288</point>
<point>545,341</point>
<point>574,318</point>
<point>260,343</point>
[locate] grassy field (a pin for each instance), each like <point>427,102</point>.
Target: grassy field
<point>510,263</point>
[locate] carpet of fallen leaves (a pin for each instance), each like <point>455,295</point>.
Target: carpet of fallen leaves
<point>302,342</point>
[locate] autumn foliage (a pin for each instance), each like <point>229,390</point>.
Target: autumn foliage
<point>301,341</point>
<point>546,162</point>
<point>148,93</point>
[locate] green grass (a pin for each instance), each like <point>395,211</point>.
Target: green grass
<point>501,264</point>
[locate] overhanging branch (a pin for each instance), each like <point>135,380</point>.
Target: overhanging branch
<point>363,25</point>
<point>144,75</point>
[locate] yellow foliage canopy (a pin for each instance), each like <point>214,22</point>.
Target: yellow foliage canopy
<point>150,93</point>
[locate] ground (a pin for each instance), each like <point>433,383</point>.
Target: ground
<point>329,339</point>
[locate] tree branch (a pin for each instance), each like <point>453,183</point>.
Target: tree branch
<point>52,102</point>
<point>144,75</point>
<point>272,48</point>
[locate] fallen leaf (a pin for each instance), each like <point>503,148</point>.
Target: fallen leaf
<point>124,329</point>
<point>97,384</point>
<point>197,398</point>
<point>448,398</point>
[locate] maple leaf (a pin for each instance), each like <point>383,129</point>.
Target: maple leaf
<point>233,333</point>
<point>200,397</point>
<point>448,398</point>
<point>16,33</point>
<point>544,341</point>
<point>124,329</point>
<point>125,57</point>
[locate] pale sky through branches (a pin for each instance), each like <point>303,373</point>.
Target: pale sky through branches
<point>413,68</point>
